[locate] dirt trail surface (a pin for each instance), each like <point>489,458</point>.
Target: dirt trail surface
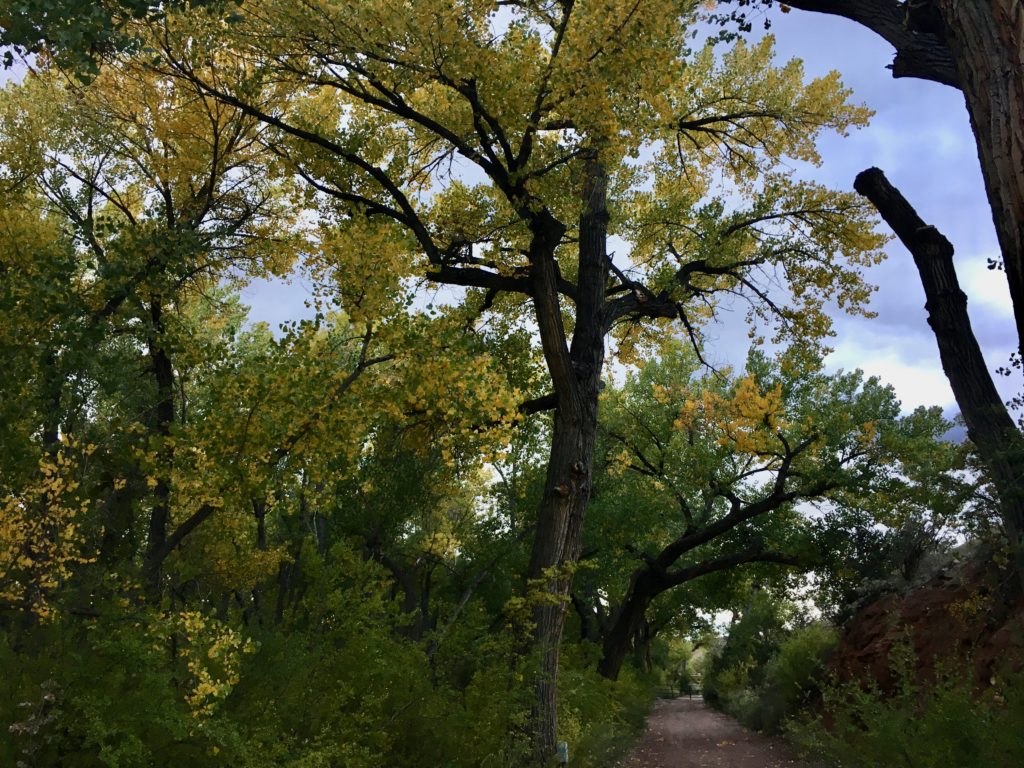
<point>686,733</point>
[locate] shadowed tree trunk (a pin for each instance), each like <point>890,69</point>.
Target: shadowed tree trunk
<point>661,573</point>
<point>986,40</point>
<point>163,420</point>
<point>989,425</point>
<point>576,374</point>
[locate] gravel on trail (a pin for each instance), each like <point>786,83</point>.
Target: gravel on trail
<point>686,733</point>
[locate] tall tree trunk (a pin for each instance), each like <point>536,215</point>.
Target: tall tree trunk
<point>53,384</point>
<point>576,374</point>
<point>163,420</point>
<point>986,40</point>
<point>555,551</point>
<point>119,544</point>
<point>989,425</point>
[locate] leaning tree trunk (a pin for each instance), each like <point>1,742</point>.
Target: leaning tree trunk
<point>986,40</point>
<point>644,586</point>
<point>576,374</point>
<point>999,442</point>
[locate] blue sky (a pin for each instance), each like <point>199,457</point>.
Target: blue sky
<point>920,136</point>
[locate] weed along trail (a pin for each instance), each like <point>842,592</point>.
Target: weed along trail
<point>686,733</point>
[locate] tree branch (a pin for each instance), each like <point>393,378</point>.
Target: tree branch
<point>918,54</point>
<point>156,558</point>
<point>544,403</point>
<point>410,218</point>
<point>479,278</point>
<point>754,554</point>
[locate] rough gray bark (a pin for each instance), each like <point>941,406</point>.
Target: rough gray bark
<point>989,425</point>
<point>920,54</point>
<point>986,40</point>
<point>576,375</point>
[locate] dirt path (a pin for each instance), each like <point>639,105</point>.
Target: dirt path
<point>686,733</point>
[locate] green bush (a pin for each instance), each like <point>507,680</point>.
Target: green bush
<point>794,675</point>
<point>734,670</point>
<point>764,674</point>
<point>601,718</point>
<point>941,725</point>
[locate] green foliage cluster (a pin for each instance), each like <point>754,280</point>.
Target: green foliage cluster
<point>918,724</point>
<point>770,672</point>
<point>601,718</point>
<point>78,33</point>
<point>335,686</point>
<point>765,672</point>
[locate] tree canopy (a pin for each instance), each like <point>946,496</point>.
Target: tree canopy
<point>356,539</point>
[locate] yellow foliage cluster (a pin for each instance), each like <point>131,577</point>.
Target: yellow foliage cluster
<point>40,542</point>
<point>212,652</point>
<point>462,389</point>
<point>748,419</point>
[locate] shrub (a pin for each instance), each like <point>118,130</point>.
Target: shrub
<point>943,724</point>
<point>774,679</point>
<point>600,718</point>
<point>794,675</point>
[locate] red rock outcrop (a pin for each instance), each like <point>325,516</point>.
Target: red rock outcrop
<point>961,613</point>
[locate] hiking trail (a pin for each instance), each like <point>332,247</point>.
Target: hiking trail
<point>687,733</point>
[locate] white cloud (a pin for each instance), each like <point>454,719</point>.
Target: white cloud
<point>986,288</point>
<point>916,383</point>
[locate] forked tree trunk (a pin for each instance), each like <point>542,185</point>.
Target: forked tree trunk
<point>627,619</point>
<point>576,373</point>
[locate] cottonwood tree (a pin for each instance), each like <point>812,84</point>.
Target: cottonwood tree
<point>135,202</point>
<point>501,144</point>
<point>162,193</point>
<point>77,33</point>
<point>723,473</point>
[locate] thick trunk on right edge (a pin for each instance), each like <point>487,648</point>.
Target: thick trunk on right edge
<point>986,40</point>
<point>976,46</point>
<point>999,442</point>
